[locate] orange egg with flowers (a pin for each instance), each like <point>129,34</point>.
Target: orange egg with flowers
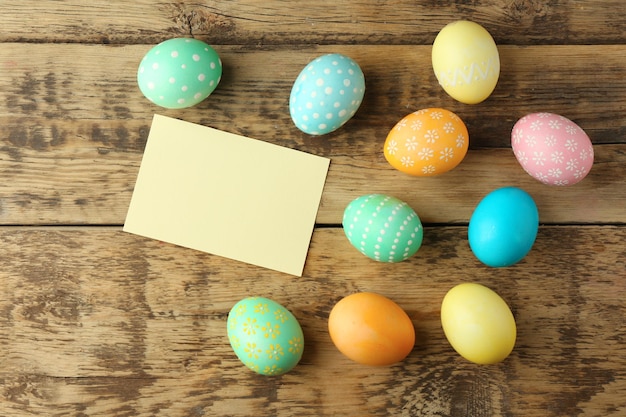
<point>427,142</point>
<point>371,329</point>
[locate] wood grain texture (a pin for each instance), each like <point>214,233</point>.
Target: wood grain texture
<point>68,107</point>
<point>100,322</point>
<point>90,91</point>
<point>519,22</point>
<point>65,189</point>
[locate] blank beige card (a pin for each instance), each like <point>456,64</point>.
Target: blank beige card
<point>227,195</point>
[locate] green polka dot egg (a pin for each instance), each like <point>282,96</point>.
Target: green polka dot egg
<point>179,73</point>
<point>383,228</point>
<point>265,336</point>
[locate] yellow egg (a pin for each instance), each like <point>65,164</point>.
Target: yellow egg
<point>427,142</point>
<point>478,323</point>
<point>466,61</point>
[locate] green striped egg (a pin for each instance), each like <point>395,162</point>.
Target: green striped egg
<point>383,228</point>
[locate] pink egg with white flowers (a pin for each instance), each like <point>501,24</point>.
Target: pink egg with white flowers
<point>552,148</point>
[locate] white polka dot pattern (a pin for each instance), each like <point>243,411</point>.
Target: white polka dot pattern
<point>326,94</point>
<point>383,228</point>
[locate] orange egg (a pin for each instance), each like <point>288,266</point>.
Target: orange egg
<point>428,142</point>
<point>371,329</point>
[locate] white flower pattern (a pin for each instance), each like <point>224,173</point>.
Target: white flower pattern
<point>428,169</point>
<point>580,173</point>
<point>538,158</point>
<point>557,157</point>
<point>555,172</point>
<point>572,165</point>
<point>411,143</point>
<point>436,115</point>
<point>571,145</point>
<point>521,157</point>
<point>446,154</point>
<point>554,124</point>
<point>425,153</point>
<point>401,124</point>
<point>431,136</point>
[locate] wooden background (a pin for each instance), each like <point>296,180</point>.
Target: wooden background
<point>95,321</point>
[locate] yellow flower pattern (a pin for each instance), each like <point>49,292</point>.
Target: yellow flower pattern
<point>265,336</point>
<point>272,370</point>
<point>241,310</point>
<point>261,308</point>
<point>271,331</point>
<point>234,341</point>
<point>250,326</point>
<point>253,366</point>
<point>295,345</point>
<point>232,323</point>
<point>252,350</point>
<point>275,351</point>
<point>281,315</point>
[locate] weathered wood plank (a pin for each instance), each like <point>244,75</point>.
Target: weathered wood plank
<point>519,22</point>
<point>62,187</point>
<point>51,92</point>
<point>63,116</point>
<point>96,321</point>
<point>451,198</point>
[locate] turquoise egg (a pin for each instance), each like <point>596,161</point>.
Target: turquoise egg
<point>179,73</point>
<point>326,94</point>
<point>383,228</point>
<point>265,336</point>
<point>503,227</point>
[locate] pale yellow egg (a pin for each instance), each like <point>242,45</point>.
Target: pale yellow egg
<point>466,61</point>
<point>478,323</point>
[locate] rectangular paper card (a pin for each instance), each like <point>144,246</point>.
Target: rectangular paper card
<point>227,195</point>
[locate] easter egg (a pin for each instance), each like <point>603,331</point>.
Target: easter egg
<point>478,323</point>
<point>179,73</point>
<point>371,329</point>
<point>326,94</point>
<point>503,227</point>
<point>382,227</point>
<point>466,61</point>
<point>265,336</point>
<point>552,148</point>
<point>427,142</point>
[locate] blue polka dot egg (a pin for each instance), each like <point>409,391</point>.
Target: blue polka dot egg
<point>383,228</point>
<point>326,94</point>
<point>265,336</point>
<point>179,73</point>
